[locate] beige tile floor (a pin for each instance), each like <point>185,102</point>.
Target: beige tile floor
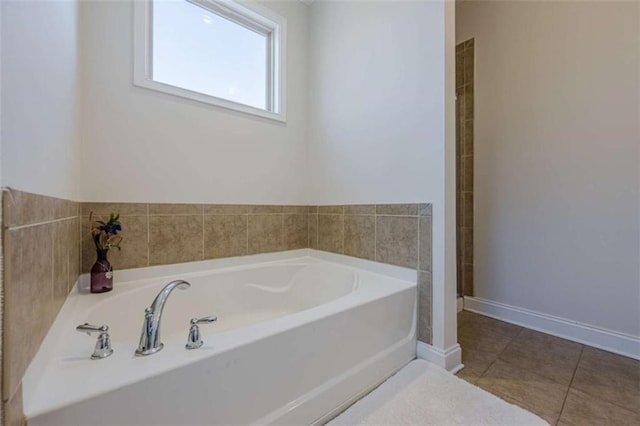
<point>563,382</point>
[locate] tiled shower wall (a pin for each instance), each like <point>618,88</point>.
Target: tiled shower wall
<point>47,244</point>
<point>464,164</point>
<point>41,249</point>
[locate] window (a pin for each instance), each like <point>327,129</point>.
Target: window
<point>214,51</point>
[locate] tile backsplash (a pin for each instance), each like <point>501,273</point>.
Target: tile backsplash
<point>159,234</point>
<point>47,244</point>
<point>397,234</point>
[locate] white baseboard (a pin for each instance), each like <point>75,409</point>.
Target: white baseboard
<point>450,359</point>
<point>612,341</point>
<point>460,304</point>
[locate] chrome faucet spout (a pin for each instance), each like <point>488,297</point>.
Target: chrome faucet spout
<point>150,342</point>
<point>158,303</point>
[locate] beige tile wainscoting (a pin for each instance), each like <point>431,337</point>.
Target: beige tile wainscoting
<point>397,234</point>
<point>47,244</point>
<point>160,234</point>
<point>41,263</point>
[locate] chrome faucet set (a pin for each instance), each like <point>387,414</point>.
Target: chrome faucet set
<point>150,342</point>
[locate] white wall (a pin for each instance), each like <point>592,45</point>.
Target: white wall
<point>39,80</point>
<point>380,97</point>
<point>371,124</point>
<point>377,87</point>
<point>166,149</point>
<point>556,158</point>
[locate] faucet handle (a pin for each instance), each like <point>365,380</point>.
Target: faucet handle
<point>103,347</point>
<point>88,328</point>
<point>194,341</point>
<point>204,320</point>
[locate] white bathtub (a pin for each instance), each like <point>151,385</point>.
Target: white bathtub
<point>299,336</point>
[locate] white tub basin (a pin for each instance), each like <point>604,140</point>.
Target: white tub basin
<point>298,335</point>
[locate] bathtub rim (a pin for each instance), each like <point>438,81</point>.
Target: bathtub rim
<point>257,260</point>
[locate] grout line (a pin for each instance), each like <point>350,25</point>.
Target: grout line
<point>168,214</point>
<point>80,255</point>
<point>590,394</point>
<point>52,236</point>
<point>570,383</point>
<point>148,237</point>
<point>488,367</point>
<point>418,249</point>
<point>343,236</point>
<point>500,353</point>
<point>202,222</point>
<point>46,222</point>
<point>392,215</point>
<point>308,231</point>
<point>375,237</point>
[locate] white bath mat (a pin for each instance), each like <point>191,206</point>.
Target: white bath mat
<point>423,394</point>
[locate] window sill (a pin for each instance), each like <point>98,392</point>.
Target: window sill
<point>207,99</point>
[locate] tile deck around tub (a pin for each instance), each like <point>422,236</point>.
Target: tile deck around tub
<point>564,382</point>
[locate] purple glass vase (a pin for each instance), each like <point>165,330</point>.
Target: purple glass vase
<point>101,274</point>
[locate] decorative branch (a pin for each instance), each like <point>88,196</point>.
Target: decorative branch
<point>105,234</point>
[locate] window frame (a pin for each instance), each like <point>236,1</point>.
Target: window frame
<point>247,14</point>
